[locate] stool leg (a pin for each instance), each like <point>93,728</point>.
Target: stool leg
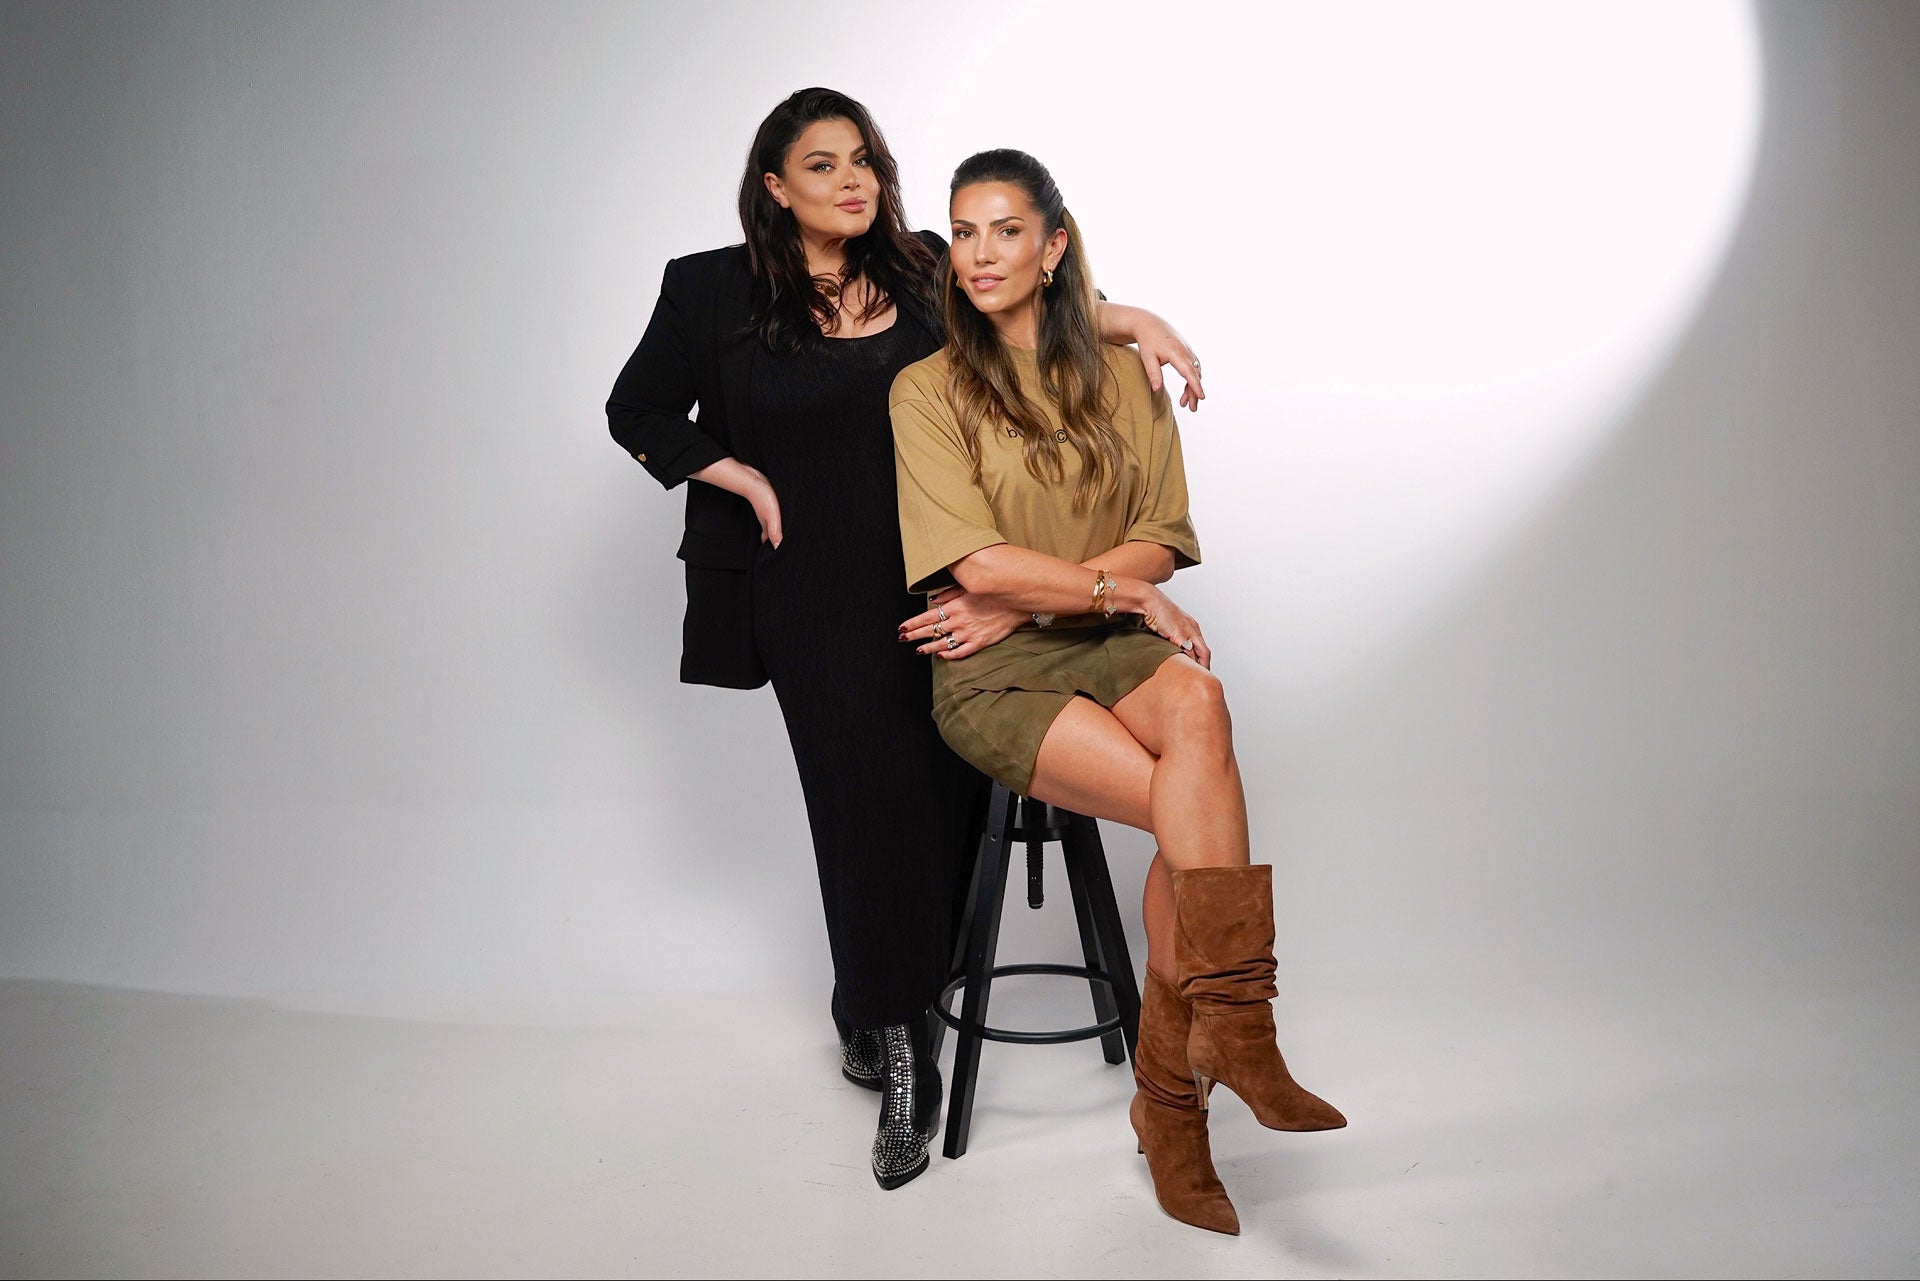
<point>960,938</point>
<point>1113,1044</point>
<point>982,939</point>
<point>1033,821</point>
<point>1082,847</point>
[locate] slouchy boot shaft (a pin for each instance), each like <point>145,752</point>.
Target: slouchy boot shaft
<point>1223,957</point>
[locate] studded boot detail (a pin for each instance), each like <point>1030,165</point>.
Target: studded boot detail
<point>861,1051</point>
<point>909,1104</point>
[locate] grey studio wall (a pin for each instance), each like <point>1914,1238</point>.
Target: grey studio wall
<point>338,644</point>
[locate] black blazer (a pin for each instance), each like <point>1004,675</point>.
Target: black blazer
<point>698,350</point>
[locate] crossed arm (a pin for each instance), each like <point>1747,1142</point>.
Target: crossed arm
<point>1003,586</point>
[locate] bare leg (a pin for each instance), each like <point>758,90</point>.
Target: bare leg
<point>1090,764</point>
<point>1199,808</point>
<point>1162,760</point>
<point>1156,909</point>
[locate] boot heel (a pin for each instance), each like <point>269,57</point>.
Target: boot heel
<point>1205,1085</point>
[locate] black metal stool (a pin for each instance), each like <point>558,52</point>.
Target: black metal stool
<point>1103,942</point>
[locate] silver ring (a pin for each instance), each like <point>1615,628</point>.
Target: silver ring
<point>1186,645</point>
<point>943,612</point>
<point>953,642</point>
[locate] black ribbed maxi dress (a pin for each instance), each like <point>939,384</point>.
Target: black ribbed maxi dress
<point>893,811</point>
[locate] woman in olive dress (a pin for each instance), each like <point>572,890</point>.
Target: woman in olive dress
<point>1038,471</point>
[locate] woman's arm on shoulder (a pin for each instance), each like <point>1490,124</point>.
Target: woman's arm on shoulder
<point>1158,343</point>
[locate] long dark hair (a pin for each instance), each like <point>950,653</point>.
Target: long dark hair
<point>790,307</point>
<point>981,381</point>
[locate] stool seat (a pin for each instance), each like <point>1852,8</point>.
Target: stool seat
<point>1108,968</point>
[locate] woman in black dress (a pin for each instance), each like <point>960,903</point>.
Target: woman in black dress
<point>789,344</point>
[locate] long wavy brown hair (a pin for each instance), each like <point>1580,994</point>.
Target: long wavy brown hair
<point>981,380</point>
<point>790,306</point>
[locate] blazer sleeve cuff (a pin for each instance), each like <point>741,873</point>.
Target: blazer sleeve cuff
<point>692,457</point>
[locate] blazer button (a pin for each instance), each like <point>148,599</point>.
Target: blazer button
<point>640,457</point>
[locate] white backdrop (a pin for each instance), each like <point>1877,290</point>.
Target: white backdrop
<point>1557,479</point>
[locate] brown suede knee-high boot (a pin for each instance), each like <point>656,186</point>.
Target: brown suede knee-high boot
<point>1223,958</point>
<point>1168,1118</point>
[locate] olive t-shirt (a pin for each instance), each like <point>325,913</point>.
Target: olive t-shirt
<point>945,515</point>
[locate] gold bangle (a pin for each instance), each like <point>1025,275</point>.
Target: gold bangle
<point>1103,585</point>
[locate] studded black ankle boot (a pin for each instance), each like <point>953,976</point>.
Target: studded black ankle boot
<point>861,1053</point>
<point>909,1104</point>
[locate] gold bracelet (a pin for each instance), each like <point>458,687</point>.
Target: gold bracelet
<point>1103,585</point>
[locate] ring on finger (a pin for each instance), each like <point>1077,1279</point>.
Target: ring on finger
<point>943,612</point>
<point>953,642</point>
<point>939,630</point>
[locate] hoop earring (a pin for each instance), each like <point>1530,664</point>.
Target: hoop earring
<point>1046,277</point>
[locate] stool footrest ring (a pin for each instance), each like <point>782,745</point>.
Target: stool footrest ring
<point>1083,972</point>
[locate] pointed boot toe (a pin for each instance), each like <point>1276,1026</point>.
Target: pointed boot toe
<point>1322,1115</point>
<point>1237,1050</point>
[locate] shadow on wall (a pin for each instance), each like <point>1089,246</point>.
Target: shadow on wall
<point>1678,723</point>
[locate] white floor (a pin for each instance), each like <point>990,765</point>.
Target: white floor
<point>1547,1129</point>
